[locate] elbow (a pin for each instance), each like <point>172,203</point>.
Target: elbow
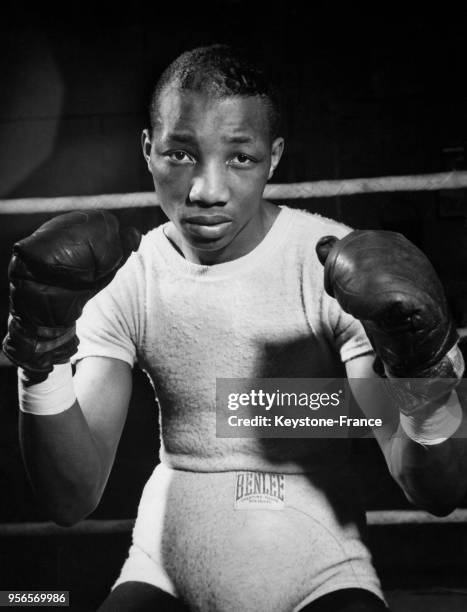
<point>66,521</point>
<point>68,514</point>
<point>439,507</point>
<point>429,496</point>
<point>69,517</point>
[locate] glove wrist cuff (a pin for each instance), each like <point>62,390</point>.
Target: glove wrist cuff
<point>451,365</point>
<point>38,349</point>
<point>45,333</point>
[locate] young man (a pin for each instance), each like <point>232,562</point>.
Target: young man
<point>230,287</point>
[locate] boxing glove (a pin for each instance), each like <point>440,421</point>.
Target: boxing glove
<point>53,273</point>
<point>387,283</point>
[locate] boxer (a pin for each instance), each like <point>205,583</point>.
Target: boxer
<point>229,287</point>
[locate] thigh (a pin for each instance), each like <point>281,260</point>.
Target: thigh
<point>140,597</point>
<point>347,600</point>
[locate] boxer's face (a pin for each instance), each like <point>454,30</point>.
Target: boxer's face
<point>210,159</point>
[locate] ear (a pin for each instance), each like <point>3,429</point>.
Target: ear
<point>277,149</point>
<point>146,145</point>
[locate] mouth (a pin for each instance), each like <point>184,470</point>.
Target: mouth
<point>207,227</point>
<point>207,220</point>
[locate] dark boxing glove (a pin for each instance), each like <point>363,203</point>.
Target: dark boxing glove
<point>53,273</point>
<point>385,281</point>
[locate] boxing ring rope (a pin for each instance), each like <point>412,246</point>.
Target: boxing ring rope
<point>105,527</point>
<point>314,189</point>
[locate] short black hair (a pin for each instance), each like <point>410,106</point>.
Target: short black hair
<point>220,71</point>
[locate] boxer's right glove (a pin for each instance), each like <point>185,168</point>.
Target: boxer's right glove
<point>53,273</point>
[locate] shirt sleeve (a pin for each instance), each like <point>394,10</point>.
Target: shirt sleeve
<point>349,334</point>
<point>343,331</point>
<point>110,325</point>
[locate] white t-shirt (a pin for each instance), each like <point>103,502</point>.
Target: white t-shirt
<point>263,315</point>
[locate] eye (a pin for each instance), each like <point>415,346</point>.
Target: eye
<point>242,160</point>
<point>179,157</point>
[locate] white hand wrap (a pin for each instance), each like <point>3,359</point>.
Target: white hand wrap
<point>440,425</point>
<point>423,417</point>
<point>52,396</point>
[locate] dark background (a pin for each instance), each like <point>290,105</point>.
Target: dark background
<point>365,94</point>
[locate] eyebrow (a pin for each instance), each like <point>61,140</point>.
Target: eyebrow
<point>188,138</point>
<point>184,137</point>
<point>238,139</point>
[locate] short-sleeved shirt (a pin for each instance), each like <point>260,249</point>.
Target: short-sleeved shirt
<point>263,315</point>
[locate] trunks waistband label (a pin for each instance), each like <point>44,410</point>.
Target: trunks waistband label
<point>259,491</point>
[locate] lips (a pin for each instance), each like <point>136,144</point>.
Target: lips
<point>207,228</point>
<point>207,219</point>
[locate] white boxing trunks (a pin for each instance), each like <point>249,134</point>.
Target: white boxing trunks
<point>249,541</point>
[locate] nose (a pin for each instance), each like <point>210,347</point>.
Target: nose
<point>209,186</point>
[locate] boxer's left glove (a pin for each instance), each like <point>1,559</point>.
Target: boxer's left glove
<point>53,273</point>
<point>385,281</point>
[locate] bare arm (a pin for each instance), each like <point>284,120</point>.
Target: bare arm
<point>69,455</point>
<point>433,477</point>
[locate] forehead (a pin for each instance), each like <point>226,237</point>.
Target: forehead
<point>201,113</point>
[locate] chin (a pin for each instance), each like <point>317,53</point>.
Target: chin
<point>208,245</point>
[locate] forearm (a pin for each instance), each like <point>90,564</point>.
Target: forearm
<point>59,450</point>
<point>428,451</point>
<point>63,463</point>
<point>434,477</point>
<point>431,472</point>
